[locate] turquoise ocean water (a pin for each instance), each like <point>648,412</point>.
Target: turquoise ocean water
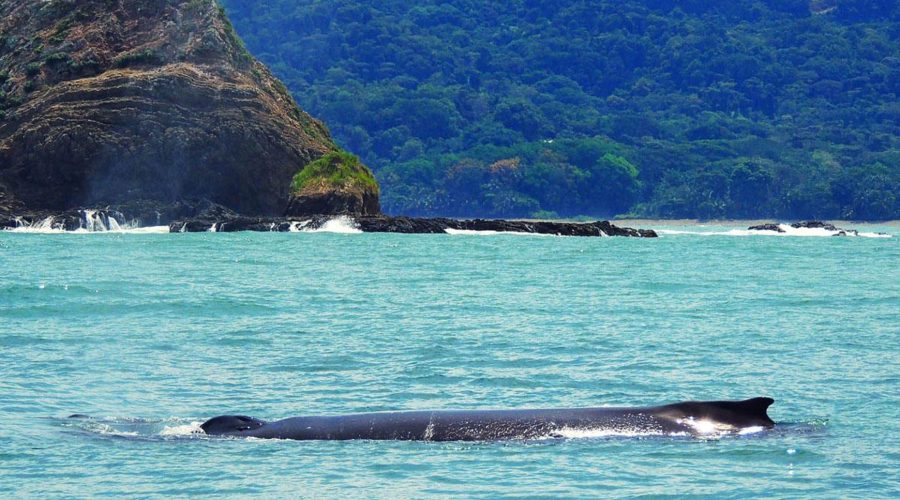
<point>153,333</point>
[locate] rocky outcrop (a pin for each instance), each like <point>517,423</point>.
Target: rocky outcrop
<point>337,183</point>
<point>219,222</point>
<point>812,224</point>
<point>417,225</point>
<point>333,201</point>
<point>143,102</point>
<point>112,217</point>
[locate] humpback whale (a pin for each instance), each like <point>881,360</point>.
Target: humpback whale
<point>694,418</point>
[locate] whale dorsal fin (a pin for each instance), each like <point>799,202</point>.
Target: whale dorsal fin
<point>753,408</point>
<point>740,413</point>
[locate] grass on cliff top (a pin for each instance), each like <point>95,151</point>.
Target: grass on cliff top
<point>337,170</point>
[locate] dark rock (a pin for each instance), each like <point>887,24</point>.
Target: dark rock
<point>810,224</point>
<point>767,227</point>
<point>336,202</point>
<point>815,224</point>
<point>407,225</point>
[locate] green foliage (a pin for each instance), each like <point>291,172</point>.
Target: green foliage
<point>242,53</point>
<point>137,58</point>
<point>56,57</point>
<point>61,30</point>
<point>83,67</point>
<point>337,170</point>
<point>196,5</point>
<point>575,176</point>
<point>722,109</point>
<point>8,101</point>
<point>32,69</point>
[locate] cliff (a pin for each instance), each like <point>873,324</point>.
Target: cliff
<point>142,103</point>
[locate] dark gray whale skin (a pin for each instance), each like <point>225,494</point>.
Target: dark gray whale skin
<point>495,425</point>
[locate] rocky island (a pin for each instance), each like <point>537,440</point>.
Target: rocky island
<point>152,112</point>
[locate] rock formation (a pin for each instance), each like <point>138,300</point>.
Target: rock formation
<point>142,103</point>
<point>220,220</point>
<point>337,183</point>
<point>810,224</point>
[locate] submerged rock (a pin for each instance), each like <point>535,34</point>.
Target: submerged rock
<point>104,103</point>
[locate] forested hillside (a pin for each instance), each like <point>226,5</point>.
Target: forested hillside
<point>684,108</point>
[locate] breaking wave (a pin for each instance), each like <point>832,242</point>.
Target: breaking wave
<point>472,232</point>
<point>342,225</point>
<point>90,221</point>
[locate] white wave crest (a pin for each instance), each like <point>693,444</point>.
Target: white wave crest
<point>91,221</point>
<point>148,230</point>
<point>574,433</point>
<point>342,225</point>
<point>104,429</point>
<point>874,235</point>
<point>37,229</point>
<point>473,232</point>
<point>190,429</point>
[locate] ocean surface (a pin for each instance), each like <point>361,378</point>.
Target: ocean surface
<point>151,334</point>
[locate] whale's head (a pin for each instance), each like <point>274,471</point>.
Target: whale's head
<point>231,425</point>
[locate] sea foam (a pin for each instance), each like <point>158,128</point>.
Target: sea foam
<point>472,232</point>
<point>92,221</point>
<point>342,225</point>
<point>189,429</point>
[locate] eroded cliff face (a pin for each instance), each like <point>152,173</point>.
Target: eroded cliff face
<point>127,101</point>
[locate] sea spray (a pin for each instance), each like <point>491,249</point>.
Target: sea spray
<point>82,221</point>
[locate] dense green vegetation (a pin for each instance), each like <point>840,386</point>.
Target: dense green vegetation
<point>685,108</point>
<point>337,170</point>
